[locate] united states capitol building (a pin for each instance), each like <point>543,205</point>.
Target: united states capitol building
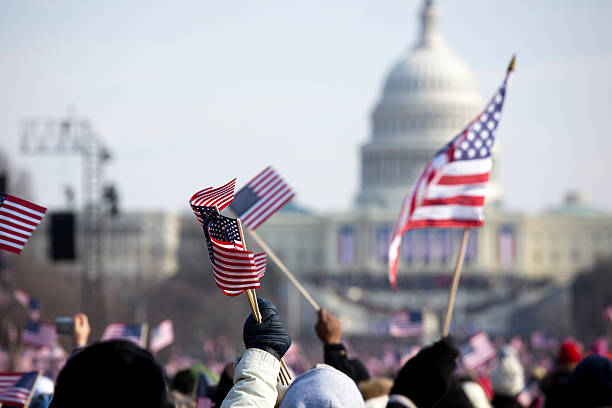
<point>516,263</point>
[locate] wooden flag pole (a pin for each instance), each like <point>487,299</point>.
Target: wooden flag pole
<point>284,269</point>
<point>455,285</point>
<point>32,391</point>
<point>285,377</point>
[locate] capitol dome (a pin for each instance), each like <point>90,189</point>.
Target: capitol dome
<point>428,97</point>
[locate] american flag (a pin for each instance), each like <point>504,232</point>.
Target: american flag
<point>477,351</point>
<point>451,190</point>
<point>294,358</point>
<point>406,324</point>
<point>29,303</point>
<point>121,331</point>
<point>18,220</point>
<point>506,247</point>
<point>261,197</point>
<point>235,269</point>
<point>162,336</point>
<point>15,388</point>
<point>203,202</point>
<point>346,245</point>
<point>202,400</point>
<point>39,334</point>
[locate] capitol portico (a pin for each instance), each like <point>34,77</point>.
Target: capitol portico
<point>429,96</point>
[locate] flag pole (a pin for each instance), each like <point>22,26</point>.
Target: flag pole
<point>144,335</point>
<point>250,293</point>
<point>284,375</point>
<point>284,269</point>
<point>262,244</point>
<point>31,394</point>
<point>455,285</point>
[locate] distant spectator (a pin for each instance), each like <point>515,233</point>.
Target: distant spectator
<point>111,374</point>
<point>555,385</point>
<point>508,380</point>
<point>590,385</point>
<point>329,331</point>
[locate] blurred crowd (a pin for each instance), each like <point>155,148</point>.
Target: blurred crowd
<point>120,373</point>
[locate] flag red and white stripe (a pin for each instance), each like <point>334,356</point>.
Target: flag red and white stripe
<point>18,220</point>
<point>450,193</point>
<point>122,331</point>
<point>16,388</point>
<point>477,351</point>
<point>210,197</point>
<point>261,197</point>
<point>39,334</point>
<point>162,336</point>
<point>236,270</point>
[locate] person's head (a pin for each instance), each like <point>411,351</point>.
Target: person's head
<point>569,353</point>
<point>591,382</point>
<point>508,378</point>
<point>322,386</point>
<point>183,382</point>
<point>111,374</point>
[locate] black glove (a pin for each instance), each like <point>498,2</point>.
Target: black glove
<point>271,335</point>
<point>427,377</point>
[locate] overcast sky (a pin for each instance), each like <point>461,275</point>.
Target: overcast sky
<point>189,94</point>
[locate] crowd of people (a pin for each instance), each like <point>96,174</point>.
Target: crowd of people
<point>121,374</point>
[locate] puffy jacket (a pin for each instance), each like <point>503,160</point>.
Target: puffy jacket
<point>254,381</point>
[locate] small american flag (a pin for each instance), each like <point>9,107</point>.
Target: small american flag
<point>202,400</point>
<point>121,331</point>
<point>235,269</point>
<point>162,336</point>
<point>406,324</point>
<point>39,334</point>
<point>477,351</point>
<point>29,303</point>
<point>18,220</point>
<point>203,202</point>
<point>294,358</point>
<point>506,247</point>
<point>261,197</point>
<point>450,192</point>
<point>15,388</point>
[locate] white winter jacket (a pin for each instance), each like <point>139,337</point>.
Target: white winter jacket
<point>254,381</point>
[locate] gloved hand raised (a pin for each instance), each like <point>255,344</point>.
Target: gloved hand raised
<point>270,335</point>
<point>427,377</point>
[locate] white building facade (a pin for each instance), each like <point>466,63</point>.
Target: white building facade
<point>428,97</point>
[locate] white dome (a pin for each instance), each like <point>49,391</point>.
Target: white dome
<point>429,96</point>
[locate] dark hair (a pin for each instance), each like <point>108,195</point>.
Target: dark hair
<point>183,382</point>
<point>111,374</point>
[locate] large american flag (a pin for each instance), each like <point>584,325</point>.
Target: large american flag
<point>477,351</point>
<point>15,388</point>
<point>202,400</point>
<point>450,192</point>
<point>162,336</point>
<point>260,198</point>
<point>235,269</point>
<point>18,220</point>
<point>121,331</point>
<point>406,324</point>
<point>203,202</point>
<point>39,334</point>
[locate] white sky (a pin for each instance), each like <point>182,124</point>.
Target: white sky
<point>188,94</point>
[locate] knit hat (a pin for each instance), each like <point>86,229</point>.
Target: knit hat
<point>569,353</point>
<point>323,386</point>
<point>111,374</point>
<point>508,378</point>
<point>591,382</point>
